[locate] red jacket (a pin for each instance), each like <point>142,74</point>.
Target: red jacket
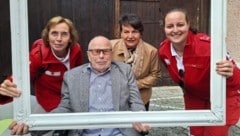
<point>196,61</point>
<point>5,99</point>
<point>47,86</point>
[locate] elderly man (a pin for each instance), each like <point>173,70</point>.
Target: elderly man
<point>99,86</point>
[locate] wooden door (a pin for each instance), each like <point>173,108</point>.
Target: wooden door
<point>97,17</point>
<point>5,41</point>
<point>91,17</point>
<point>152,13</point>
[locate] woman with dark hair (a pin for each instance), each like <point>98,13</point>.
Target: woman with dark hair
<point>140,55</point>
<point>186,54</point>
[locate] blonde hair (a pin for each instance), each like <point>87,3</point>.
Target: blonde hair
<point>57,20</point>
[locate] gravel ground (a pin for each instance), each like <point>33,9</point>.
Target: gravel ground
<point>170,98</point>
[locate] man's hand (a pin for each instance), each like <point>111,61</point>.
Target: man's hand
<point>143,129</point>
<point>18,129</point>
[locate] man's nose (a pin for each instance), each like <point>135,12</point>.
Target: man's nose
<point>101,54</point>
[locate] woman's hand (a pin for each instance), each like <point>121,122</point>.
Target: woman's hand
<point>8,88</point>
<point>225,68</point>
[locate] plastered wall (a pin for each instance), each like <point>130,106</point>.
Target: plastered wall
<point>233,29</point>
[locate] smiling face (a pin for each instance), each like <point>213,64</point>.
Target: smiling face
<point>59,39</point>
<point>176,28</point>
<point>130,36</point>
<point>100,54</point>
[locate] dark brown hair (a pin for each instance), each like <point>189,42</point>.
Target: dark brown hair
<point>184,11</point>
<point>133,20</point>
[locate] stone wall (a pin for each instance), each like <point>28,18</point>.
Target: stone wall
<point>233,29</point>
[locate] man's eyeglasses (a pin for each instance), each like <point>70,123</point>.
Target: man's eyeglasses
<point>98,51</point>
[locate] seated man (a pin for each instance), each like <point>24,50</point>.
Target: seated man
<point>98,86</point>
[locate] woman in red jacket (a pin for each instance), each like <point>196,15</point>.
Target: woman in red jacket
<point>186,54</point>
<point>50,57</point>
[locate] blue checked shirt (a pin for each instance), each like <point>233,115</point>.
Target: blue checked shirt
<point>100,100</point>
